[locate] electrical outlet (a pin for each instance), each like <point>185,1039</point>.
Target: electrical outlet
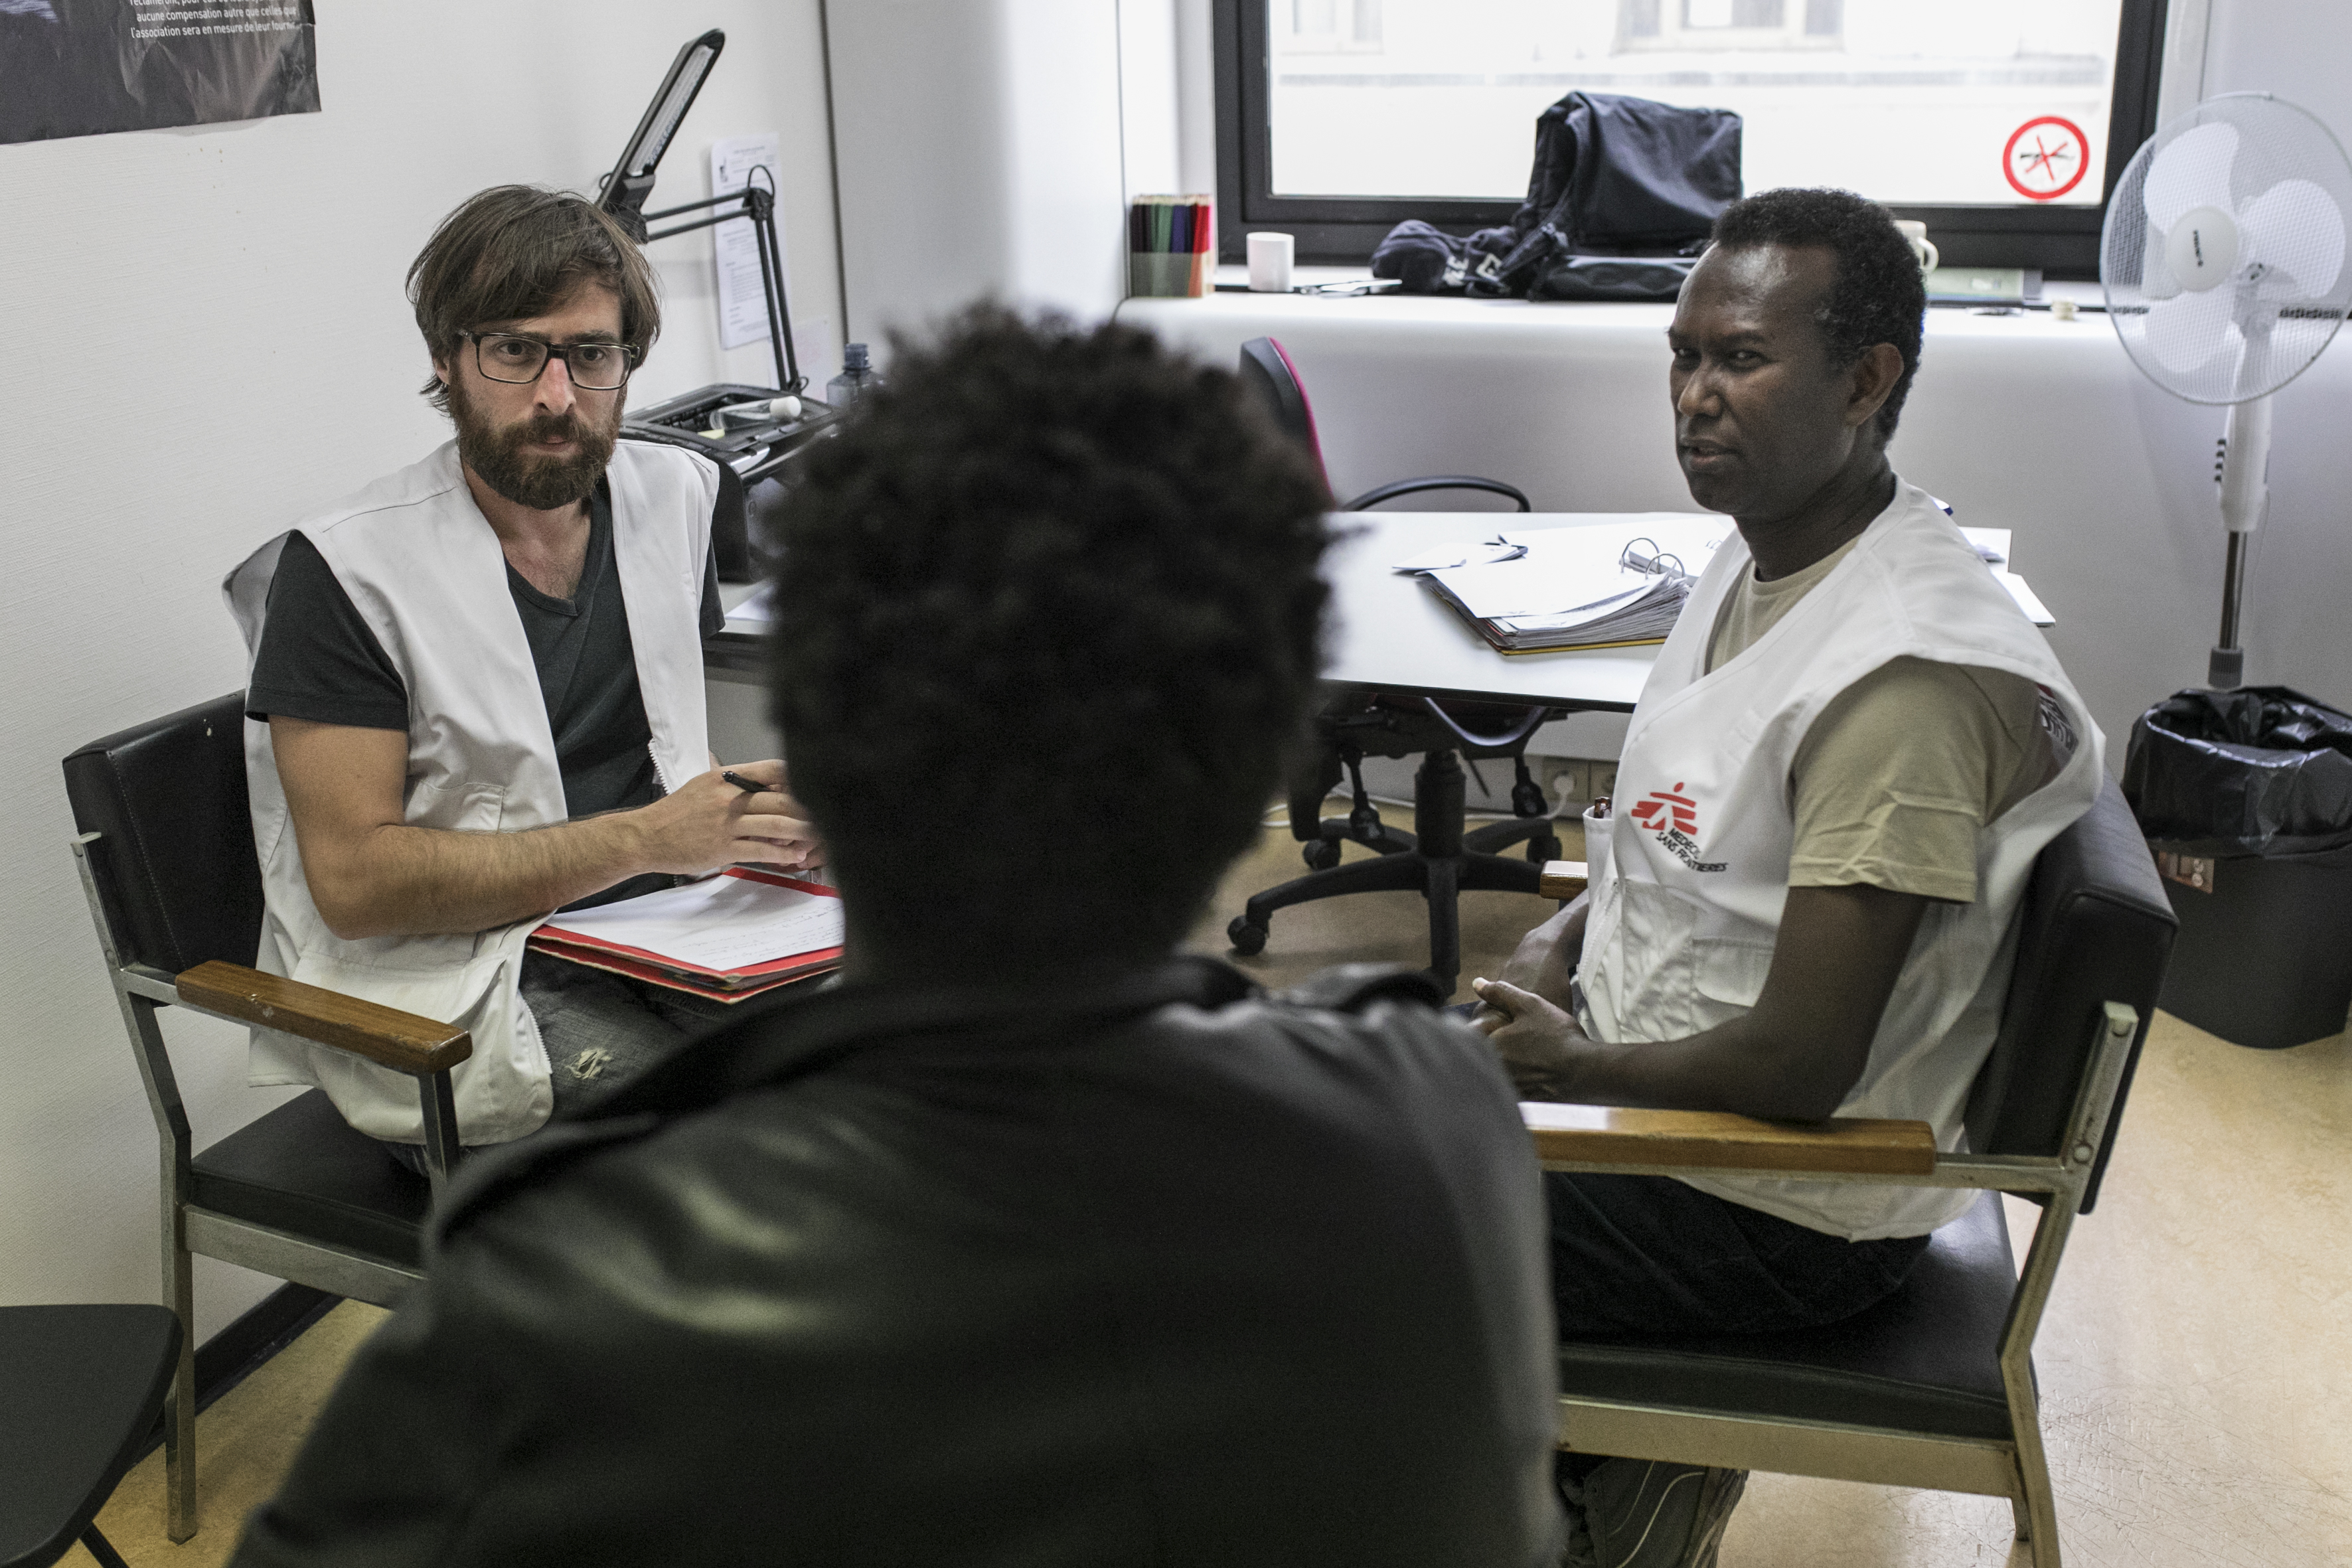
<point>1568,775</point>
<point>1604,781</point>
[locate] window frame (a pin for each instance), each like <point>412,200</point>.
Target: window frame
<point>2061,242</point>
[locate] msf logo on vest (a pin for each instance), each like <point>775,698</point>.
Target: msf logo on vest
<point>1673,817</point>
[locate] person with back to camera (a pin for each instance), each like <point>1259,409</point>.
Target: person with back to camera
<point>476,691</point>
<point>1030,1243</point>
<point>1832,794</point>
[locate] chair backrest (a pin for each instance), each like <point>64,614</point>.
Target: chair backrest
<point>1266,370</point>
<point>2096,927</point>
<point>174,861</point>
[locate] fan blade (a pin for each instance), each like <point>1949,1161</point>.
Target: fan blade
<point>2295,227</point>
<point>2187,331</point>
<point>2193,171</point>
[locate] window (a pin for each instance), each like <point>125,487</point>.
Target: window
<point>1998,122</point>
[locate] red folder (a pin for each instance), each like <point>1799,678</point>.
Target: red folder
<point>718,984</point>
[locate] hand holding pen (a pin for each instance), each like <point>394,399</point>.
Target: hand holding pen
<point>773,828</point>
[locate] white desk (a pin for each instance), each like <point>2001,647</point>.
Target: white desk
<point>1390,631</point>
<point>1387,630</point>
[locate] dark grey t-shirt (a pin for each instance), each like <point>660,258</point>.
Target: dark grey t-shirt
<point>319,660</point>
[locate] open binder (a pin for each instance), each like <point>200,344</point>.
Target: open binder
<point>726,937</point>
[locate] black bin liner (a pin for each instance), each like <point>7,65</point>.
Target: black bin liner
<point>2246,799</point>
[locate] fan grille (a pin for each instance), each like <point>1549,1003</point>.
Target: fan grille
<point>2283,188</point>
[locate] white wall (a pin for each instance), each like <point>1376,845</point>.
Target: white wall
<point>205,336</point>
<point>979,149</point>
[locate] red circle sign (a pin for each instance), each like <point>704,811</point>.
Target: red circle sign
<point>2045,158</point>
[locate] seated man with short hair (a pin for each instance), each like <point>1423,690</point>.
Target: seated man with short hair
<point>1832,794</point>
<point>1029,1243</point>
<point>476,691</point>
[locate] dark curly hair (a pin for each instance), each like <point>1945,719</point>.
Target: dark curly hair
<point>1048,617</point>
<point>1879,295</point>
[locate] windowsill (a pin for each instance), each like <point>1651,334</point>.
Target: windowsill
<point>1233,277</point>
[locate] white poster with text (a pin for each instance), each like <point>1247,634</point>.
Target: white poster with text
<point>742,308</point>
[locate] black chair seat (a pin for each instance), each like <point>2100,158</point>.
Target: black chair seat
<point>80,1389</point>
<point>301,1169</point>
<point>1927,1358</point>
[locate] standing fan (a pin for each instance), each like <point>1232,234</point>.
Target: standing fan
<point>2223,264</point>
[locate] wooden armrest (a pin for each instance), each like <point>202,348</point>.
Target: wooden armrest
<point>1598,1134</point>
<point>1562,878</point>
<point>402,1041</point>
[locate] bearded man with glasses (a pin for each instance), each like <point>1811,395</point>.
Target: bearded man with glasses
<point>476,693</point>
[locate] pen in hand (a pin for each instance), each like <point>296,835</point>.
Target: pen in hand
<point>749,787</point>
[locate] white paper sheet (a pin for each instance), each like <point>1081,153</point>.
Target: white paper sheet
<point>757,611</point>
<point>2027,600</point>
<point>719,922</point>
<point>1542,1115</point>
<point>742,308</point>
<point>1568,569</point>
<point>1571,569</point>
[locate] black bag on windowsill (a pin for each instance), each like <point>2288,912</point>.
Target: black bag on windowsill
<point>1623,191</point>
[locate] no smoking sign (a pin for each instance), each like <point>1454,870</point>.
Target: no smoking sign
<point>2045,158</point>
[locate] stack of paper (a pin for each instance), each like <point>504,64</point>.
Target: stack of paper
<point>725,936</point>
<point>1540,590</point>
<point>1583,587</point>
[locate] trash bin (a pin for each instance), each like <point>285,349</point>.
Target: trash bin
<point>2246,799</point>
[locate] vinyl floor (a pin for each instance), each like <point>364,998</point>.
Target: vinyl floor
<point>2196,1361</point>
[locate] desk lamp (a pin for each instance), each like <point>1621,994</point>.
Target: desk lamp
<point>751,432</point>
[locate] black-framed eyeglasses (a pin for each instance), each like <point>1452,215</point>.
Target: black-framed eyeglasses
<point>518,361</point>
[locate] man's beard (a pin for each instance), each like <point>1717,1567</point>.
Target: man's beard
<point>534,480</point>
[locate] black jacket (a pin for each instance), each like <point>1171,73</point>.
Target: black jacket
<point>1171,1272</point>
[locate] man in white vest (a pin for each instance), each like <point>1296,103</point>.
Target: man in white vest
<point>1831,792</point>
<point>475,692</point>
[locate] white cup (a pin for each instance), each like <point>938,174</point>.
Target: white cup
<point>1921,246</point>
<point>1269,263</point>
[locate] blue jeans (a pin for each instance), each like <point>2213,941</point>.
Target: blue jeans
<point>601,1028</point>
<point>1647,1255</point>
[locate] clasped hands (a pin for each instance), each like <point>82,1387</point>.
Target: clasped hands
<point>1525,1013</point>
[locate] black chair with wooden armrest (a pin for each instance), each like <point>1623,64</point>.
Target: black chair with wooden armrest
<point>1445,857</point>
<point>1934,1388</point>
<point>167,859</point>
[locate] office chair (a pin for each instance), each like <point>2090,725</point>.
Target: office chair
<point>1443,859</point>
<point>1933,1387</point>
<point>167,860</point>
<point>81,1388</point>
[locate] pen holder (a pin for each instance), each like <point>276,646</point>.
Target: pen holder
<point>1162,274</point>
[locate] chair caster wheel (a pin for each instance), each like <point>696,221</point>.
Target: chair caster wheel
<point>1542,849</point>
<point>1249,940</point>
<point>1321,855</point>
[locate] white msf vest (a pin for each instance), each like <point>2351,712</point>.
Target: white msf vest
<point>1689,881</point>
<point>427,573</point>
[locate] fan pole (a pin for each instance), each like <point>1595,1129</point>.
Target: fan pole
<point>2245,465</point>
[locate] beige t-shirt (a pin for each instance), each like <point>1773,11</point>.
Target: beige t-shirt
<point>1896,777</point>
